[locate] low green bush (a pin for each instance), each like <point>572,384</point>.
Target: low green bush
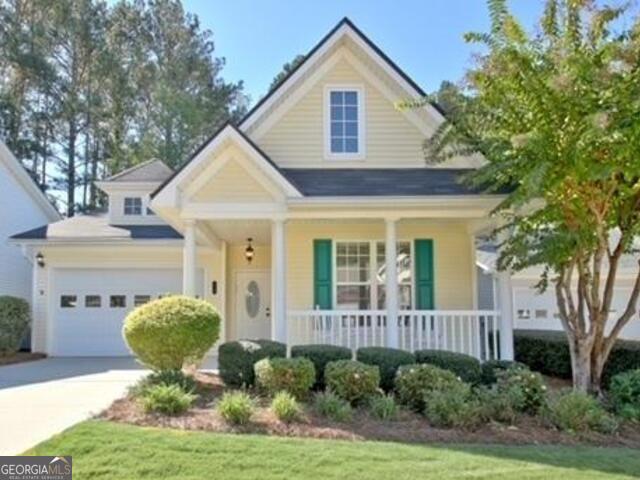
<point>383,407</point>
<point>167,333</point>
<point>15,318</point>
<point>548,353</point>
<point>526,389</point>
<point>236,359</point>
<point>285,407</point>
<point>489,368</point>
<point>578,412</point>
<point>624,393</point>
<point>464,366</point>
<point>320,355</point>
<point>164,377</point>
<point>413,382</point>
<point>329,405</point>
<point>236,407</point>
<point>452,406</point>
<point>388,360</point>
<point>495,406</point>
<point>167,399</point>
<point>353,381</point>
<point>293,375</point>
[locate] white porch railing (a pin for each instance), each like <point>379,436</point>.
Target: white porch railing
<point>473,332</point>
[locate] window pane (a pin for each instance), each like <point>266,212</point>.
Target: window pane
<point>117,301</point>
<point>337,113</point>
<point>351,145</point>
<point>141,300</point>
<point>354,297</point>
<point>344,121</point>
<point>351,98</point>
<point>337,98</point>
<point>68,301</point>
<point>337,129</point>
<point>92,301</point>
<point>404,297</point>
<point>337,145</point>
<point>351,113</point>
<point>351,129</point>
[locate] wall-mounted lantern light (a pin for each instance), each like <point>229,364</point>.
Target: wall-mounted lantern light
<point>249,252</point>
<point>40,259</point>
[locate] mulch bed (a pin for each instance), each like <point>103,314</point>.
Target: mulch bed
<point>408,427</point>
<point>20,357</point>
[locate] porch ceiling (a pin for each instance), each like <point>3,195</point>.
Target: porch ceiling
<point>237,231</point>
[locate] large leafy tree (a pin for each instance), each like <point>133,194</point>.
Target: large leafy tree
<point>557,116</point>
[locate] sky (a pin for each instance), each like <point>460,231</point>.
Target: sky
<point>423,37</point>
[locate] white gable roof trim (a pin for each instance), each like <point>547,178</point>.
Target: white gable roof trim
<point>27,183</point>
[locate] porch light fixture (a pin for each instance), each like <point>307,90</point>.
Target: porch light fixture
<point>249,252</point>
<point>40,259</point>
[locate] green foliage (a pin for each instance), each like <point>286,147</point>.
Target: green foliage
<point>167,333</point>
<point>15,318</point>
<point>579,412</point>
<point>293,375</point>
<point>164,377</point>
<point>331,406</point>
<point>413,382</point>
<point>452,406</point>
<point>464,366</point>
<point>287,68</point>
<point>383,407</point>
<point>625,394</point>
<point>548,353</point>
<point>320,355</point>
<point>388,360</point>
<point>236,359</point>
<point>489,368</point>
<point>285,407</point>
<point>166,399</point>
<point>495,405</point>
<point>353,381</point>
<point>236,407</point>
<point>526,389</point>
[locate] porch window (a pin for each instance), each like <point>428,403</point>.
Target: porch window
<point>361,275</point>
<point>344,128</point>
<point>133,206</point>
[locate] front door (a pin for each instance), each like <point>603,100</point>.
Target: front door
<point>253,304</point>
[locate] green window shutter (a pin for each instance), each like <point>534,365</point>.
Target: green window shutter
<point>425,281</point>
<point>322,282</point>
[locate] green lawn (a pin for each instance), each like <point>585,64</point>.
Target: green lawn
<point>108,450</point>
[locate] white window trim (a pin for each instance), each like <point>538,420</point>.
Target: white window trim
<point>373,282</point>
<point>124,206</point>
<point>359,89</point>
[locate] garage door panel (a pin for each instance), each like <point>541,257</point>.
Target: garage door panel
<point>84,330</point>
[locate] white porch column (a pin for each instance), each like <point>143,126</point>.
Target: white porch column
<point>391,255</point>
<point>505,297</point>
<point>278,281</point>
<point>189,259</point>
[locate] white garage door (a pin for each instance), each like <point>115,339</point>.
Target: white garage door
<point>89,306</point>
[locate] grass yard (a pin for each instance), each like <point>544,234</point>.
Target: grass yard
<point>108,450</point>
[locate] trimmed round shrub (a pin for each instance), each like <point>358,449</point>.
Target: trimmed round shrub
<point>15,318</point>
<point>236,407</point>
<point>331,406</point>
<point>624,393</point>
<point>320,355</point>
<point>293,375</point>
<point>387,360</point>
<point>413,382</point>
<point>464,366</point>
<point>236,359</point>
<point>383,407</point>
<point>285,407</point>
<point>353,381</point>
<point>526,389</point>
<point>489,368</point>
<point>164,377</point>
<point>579,412</point>
<point>167,333</point>
<point>167,399</point>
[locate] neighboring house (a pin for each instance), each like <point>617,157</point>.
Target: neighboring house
<point>313,220</point>
<point>539,311</point>
<point>22,206</point>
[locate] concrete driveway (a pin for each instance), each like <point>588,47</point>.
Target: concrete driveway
<point>41,398</point>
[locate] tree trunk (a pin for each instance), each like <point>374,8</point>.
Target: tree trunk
<point>581,364</point>
<point>71,169</point>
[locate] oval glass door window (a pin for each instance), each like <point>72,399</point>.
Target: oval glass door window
<point>252,299</point>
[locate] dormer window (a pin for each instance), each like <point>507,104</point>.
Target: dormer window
<point>133,206</point>
<point>344,128</point>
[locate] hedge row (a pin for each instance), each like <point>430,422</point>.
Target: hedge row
<point>548,353</point>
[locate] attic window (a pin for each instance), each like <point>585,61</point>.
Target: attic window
<point>133,206</point>
<point>344,123</point>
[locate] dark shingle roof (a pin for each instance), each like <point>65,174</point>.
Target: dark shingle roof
<point>379,181</point>
<point>150,171</point>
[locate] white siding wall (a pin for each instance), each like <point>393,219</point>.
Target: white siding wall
<point>18,212</point>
